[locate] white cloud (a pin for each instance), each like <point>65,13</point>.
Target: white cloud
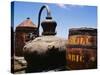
<point>69,6</point>
<point>61,5</point>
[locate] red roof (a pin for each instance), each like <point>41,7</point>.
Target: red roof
<point>27,23</point>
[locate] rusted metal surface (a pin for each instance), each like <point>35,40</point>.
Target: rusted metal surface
<point>81,50</point>
<point>45,53</point>
<point>22,35</point>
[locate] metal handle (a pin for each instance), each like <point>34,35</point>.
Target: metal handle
<point>48,15</point>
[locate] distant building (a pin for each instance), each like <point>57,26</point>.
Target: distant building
<point>23,33</point>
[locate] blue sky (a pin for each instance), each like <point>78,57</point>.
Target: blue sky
<point>67,16</point>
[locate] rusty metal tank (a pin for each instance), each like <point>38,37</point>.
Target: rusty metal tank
<point>21,35</point>
<point>81,50</point>
<point>46,52</point>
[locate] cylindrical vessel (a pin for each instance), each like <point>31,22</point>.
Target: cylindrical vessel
<point>21,35</point>
<point>46,52</point>
<point>82,48</point>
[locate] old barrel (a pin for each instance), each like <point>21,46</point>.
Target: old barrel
<point>81,50</point>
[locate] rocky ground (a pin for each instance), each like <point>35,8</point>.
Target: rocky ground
<point>19,64</point>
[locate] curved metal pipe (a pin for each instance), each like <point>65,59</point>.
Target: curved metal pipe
<point>48,15</point>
